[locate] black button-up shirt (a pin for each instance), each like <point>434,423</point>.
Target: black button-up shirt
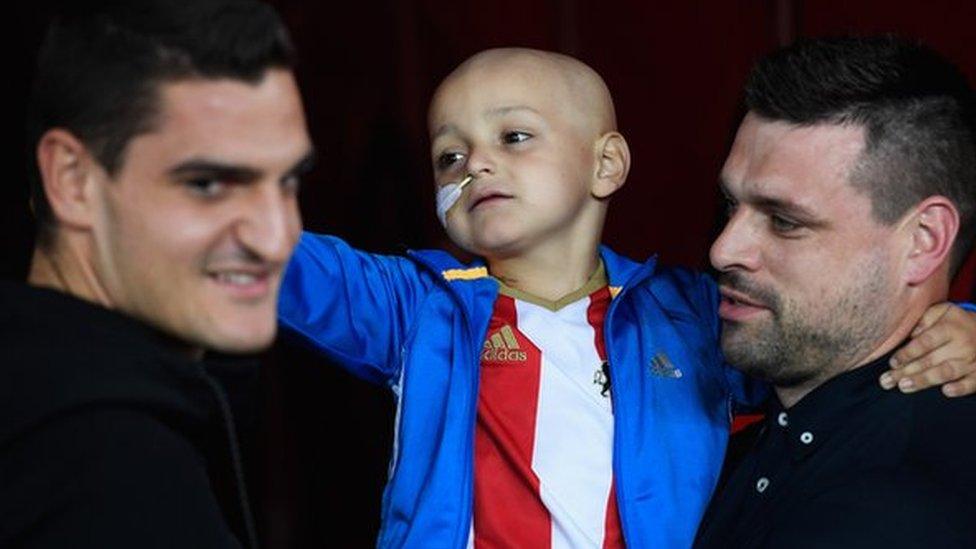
<point>852,465</point>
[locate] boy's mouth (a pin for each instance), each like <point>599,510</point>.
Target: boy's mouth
<point>484,197</point>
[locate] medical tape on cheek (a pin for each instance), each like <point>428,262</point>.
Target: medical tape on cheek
<point>448,195</point>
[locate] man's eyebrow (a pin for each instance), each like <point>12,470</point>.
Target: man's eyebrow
<point>198,167</point>
<point>305,165</point>
<point>776,205</point>
<point>788,208</point>
<point>214,169</point>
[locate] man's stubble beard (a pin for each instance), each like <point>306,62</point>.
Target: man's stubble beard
<point>806,344</point>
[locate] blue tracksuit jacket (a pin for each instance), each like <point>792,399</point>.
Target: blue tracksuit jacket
<point>416,323</point>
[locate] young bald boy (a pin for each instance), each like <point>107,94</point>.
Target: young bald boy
<point>556,394</point>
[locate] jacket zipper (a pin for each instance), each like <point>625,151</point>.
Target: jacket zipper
<point>473,401</point>
<point>633,281</point>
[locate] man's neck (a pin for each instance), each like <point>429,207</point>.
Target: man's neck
<point>789,396</point>
<point>64,269</point>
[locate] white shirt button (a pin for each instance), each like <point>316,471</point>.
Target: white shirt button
<point>806,437</point>
<point>782,419</point>
<point>762,484</point>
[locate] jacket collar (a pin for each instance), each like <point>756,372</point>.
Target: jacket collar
<point>623,272</point>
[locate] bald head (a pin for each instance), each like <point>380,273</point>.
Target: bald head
<point>567,86</point>
<point>537,132</point>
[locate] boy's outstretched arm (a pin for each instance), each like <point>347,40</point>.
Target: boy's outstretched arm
<point>351,306</point>
<point>942,351</point>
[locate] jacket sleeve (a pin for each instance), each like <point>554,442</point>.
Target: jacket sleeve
<point>351,306</point>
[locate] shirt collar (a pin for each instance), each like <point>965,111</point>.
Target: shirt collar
<point>811,421</point>
<point>596,281</point>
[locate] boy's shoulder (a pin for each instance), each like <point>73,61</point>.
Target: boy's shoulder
<point>327,252</point>
<point>676,289</point>
<point>443,261</point>
<point>623,271</point>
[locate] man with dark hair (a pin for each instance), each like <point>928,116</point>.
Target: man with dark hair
<point>852,191</point>
<point>169,140</point>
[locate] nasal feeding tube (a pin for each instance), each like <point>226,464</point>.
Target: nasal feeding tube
<point>448,195</point>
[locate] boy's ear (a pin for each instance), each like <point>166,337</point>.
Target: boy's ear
<point>67,174</point>
<point>931,231</point>
<point>613,164</point>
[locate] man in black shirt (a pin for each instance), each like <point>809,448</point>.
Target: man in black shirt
<point>169,140</point>
<point>852,190</point>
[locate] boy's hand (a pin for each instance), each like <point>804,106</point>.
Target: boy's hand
<point>942,351</point>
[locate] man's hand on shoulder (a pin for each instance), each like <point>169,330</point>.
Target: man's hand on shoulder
<point>942,351</point>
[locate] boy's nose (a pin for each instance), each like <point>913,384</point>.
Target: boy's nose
<point>480,162</point>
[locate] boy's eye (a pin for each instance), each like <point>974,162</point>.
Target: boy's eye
<point>448,159</point>
<point>782,225</point>
<point>205,188</point>
<point>515,137</point>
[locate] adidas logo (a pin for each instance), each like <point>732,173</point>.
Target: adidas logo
<point>661,366</point>
<point>502,346</point>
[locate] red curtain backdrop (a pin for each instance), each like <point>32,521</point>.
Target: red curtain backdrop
<point>675,68</point>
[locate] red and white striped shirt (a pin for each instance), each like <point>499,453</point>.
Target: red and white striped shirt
<point>544,436</point>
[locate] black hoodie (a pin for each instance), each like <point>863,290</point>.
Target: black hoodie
<point>108,437</point>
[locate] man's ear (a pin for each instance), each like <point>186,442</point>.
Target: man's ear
<point>931,230</point>
<point>67,173</point>
<point>613,164</point>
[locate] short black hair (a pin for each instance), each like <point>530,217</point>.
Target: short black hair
<point>100,66</point>
<point>918,110</point>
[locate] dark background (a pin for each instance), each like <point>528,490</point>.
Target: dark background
<point>319,441</point>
